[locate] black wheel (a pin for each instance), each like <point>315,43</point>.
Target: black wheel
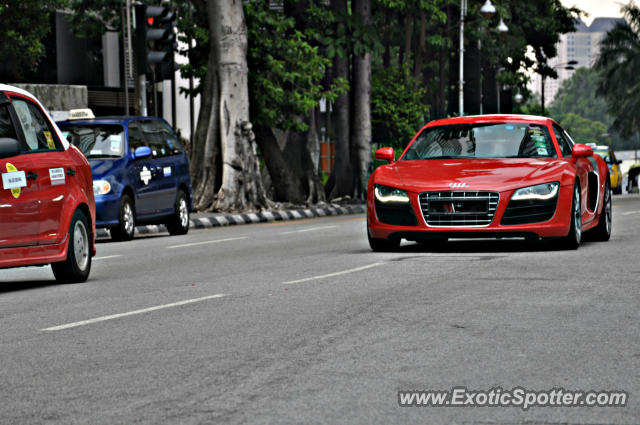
<point>573,239</point>
<point>76,267</point>
<point>383,245</point>
<point>178,224</point>
<point>602,232</point>
<point>126,221</point>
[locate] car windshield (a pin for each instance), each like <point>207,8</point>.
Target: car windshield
<point>604,154</point>
<point>96,140</point>
<point>488,140</point>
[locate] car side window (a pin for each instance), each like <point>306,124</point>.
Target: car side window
<point>168,139</point>
<point>136,139</point>
<point>6,126</point>
<point>563,142</point>
<point>154,139</point>
<point>38,134</point>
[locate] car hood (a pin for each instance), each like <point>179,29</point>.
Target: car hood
<point>104,167</point>
<point>478,174</point>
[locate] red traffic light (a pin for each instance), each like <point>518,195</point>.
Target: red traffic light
<point>150,21</point>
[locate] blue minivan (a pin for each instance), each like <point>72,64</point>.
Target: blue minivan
<point>140,172</point>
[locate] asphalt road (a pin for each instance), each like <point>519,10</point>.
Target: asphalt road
<point>299,322</point>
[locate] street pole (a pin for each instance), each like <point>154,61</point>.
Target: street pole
<point>143,94</point>
<point>480,74</point>
<point>463,12</point>
<point>542,94</point>
<point>498,93</point>
<point>129,59</point>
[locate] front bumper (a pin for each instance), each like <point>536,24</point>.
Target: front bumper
<point>557,226</point>
<point>107,209</point>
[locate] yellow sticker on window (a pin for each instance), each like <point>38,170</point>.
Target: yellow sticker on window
<point>49,137</point>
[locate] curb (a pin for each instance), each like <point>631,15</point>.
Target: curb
<point>219,220</point>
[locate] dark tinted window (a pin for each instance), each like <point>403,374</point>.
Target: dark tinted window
<point>563,141</point>
<point>37,132</point>
<point>6,126</point>
<point>136,139</point>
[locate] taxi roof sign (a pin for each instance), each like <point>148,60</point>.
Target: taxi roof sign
<point>81,114</point>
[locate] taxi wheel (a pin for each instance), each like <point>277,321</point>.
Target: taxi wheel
<point>178,224</point>
<point>602,231</point>
<point>573,239</point>
<point>126,221</point>
<point>76,267</point>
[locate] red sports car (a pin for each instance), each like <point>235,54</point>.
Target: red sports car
<point>47,209</point>
<point>489,176</point>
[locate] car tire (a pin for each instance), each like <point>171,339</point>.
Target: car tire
<point>383,245</point>
<point>126,227</point>
<point>178,224</point>
<point>573,239</point>
<point>602,232</point>
<point>76,268</point>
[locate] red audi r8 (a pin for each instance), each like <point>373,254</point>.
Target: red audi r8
<point>489,176</point>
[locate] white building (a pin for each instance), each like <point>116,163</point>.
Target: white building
<point>582,46</point>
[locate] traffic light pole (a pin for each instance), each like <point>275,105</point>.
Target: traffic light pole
<point>129,60</point>
<point>143,94</point>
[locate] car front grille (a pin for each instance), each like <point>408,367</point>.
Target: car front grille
<point>458,208</point>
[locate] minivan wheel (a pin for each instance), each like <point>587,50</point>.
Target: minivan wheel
<point>76,267</point>
<point>126,226</point>
<point>178,224</point>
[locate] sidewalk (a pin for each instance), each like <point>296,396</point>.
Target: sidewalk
<point>209,220</point>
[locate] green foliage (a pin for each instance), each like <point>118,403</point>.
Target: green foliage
<point>583,130</point>
<point>285,70</point>
<point>618,62</point>
<point>192,28</point>
<point>23,26</point>
<point>583,112</point>
<point>93,17</point>
<point>398,109</point>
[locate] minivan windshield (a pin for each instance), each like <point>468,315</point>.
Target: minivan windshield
<point>96,140</point>
<point>482,140</point>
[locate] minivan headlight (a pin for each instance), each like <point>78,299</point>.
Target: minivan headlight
<point>386,194</point>
<point>101,187</point>
<point>540,192</point>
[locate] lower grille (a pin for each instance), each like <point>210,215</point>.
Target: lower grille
<point>396,214</point>
<point>458,208</point>
<point>525,212</point>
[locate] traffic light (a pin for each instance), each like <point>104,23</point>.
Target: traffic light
<point>154,35</point>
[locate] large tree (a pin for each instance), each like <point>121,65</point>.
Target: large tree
<point>618,62</point>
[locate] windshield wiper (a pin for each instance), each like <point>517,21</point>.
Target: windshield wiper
<point>444,157</point>
<point>103,156</point>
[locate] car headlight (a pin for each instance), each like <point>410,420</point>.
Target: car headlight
<point>387,194</point>
<point>539,192</point>
<point>101,187</point>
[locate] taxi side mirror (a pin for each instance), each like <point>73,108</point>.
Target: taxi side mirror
<point>142,152</point>
<point>9,147</point>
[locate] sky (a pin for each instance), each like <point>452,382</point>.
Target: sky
<point>597,8</point>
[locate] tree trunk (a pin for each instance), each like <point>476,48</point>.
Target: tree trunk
<point>361,139</point>
<point>341,181</point>
<point>204,158</point>
<point>241,186</point>
<point>422,45</point>
<point>408,38</point>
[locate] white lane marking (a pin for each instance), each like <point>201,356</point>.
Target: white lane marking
<point>357,269</point>
<point>131,313</point>
<point>311,229</point>
<point>106,257</point>
<point>631,212</point>
<point>207,242</point>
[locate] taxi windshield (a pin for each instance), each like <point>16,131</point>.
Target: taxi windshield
<point>482,140</point>
<point>604,154</point>
<point>96,140</point>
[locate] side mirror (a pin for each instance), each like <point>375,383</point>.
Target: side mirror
<point>386,154</point>
<point>581,151</point>
<point>9,147</point>
<point>618,161</point>
<point>142,152</point>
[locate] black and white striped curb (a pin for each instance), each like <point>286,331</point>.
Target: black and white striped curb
<point>218,220</point>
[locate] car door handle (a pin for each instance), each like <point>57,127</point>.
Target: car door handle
<point>71,171</point>
<point>31,175</point>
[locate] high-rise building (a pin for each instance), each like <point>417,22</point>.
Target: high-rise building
<point>581,46</point>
